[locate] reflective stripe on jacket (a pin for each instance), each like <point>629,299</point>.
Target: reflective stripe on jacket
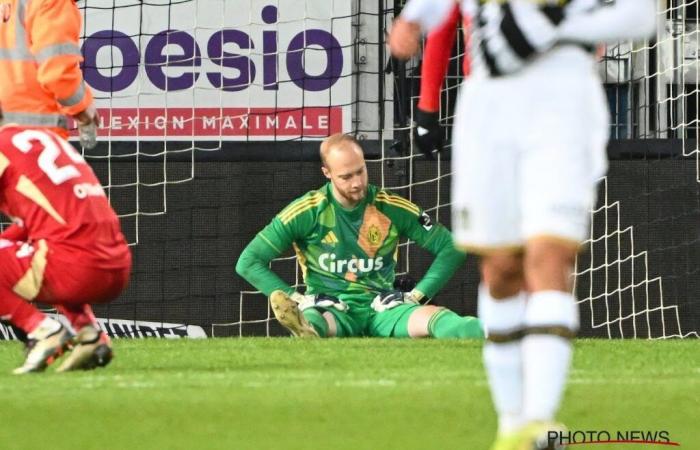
<point>40,76</point>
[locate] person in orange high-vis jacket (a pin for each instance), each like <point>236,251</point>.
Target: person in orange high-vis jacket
<point>40,77</point>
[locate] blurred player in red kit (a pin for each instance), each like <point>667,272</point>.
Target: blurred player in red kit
<point>65,248</point>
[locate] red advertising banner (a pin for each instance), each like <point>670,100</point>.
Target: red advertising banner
<point>214,123</point>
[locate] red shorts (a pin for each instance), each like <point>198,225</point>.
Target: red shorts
<point>45,272</point>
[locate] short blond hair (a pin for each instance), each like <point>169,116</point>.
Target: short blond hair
<point>334,141</point>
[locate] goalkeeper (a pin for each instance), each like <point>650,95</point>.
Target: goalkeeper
<point>345,235</point>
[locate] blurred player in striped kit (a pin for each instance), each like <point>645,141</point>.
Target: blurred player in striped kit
<point>346,237</point>
<point>529,143</point>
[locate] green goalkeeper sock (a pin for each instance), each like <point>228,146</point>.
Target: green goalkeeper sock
<point>314,317</point>
<point>447,324</point>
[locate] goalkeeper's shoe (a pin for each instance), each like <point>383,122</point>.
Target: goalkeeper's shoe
<point>92,349</point>
<point>43,346</point>
<point>288,314</point>
<point>535,436</point>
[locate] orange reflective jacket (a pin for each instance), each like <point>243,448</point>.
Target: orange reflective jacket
<point>40,76</point>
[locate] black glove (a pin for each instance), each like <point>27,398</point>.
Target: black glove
<point>404,283</point>
<point>428,133</point>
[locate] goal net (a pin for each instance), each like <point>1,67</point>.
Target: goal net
<point>212,111</point>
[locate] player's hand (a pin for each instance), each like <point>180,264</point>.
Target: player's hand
<point>404,38</point>
<point>87,126</point>
<point>391,299</point>
<point>319,300</point>
<point>428,133</point>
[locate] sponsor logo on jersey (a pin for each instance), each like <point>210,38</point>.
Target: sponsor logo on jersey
<point>330,263</point>
<point>424,220</point>
<point>374,235</point>
<point>84,190</point>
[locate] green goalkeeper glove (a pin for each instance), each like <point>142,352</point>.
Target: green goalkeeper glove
<point>319,300</point>
<point>391,299</point>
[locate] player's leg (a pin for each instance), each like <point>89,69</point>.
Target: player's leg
<point>72,291</point>
<point>391,322</point>
<point>486,221</point>
<point>329,322</point>
<point>501,308</point>
<point>558,191</point>
<point>20,281</point>
<point>440,323</point>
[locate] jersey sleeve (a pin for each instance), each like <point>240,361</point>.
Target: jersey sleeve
<point>54,26</point>
<point>416,224</point>
<point>622,19</point>
<point>276,238</point>
<point>436,59</point>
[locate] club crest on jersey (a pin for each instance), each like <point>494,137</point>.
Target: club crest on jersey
<point>330,263</point>
<point>6,12</point>
<point>424,220</point>
<point>374,235</point>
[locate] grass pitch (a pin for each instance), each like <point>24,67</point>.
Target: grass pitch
<point>331,394</point>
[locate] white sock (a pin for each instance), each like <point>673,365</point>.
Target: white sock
<point>45,328</point>
<point>546,357</point>
<point>503,361</point>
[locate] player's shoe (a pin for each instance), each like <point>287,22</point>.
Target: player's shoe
<point>535,436</point>
<point>290,316</point>
<point>42,351</point>
<point>506,441</point>
<point>92,349</point>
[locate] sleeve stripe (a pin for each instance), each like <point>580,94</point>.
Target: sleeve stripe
<point>74,98</point>
<point>63,49</point>
<point>297,206</point>
<point>298,202</point>
<point>398,201</point>
<point>262,236</point>
<point>291,214</point>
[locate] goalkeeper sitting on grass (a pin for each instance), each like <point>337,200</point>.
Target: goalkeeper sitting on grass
<point>345,235</point>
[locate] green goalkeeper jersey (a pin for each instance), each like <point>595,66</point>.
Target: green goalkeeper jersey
<point>348,253</point>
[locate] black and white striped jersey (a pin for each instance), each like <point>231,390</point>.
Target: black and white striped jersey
<point>509,33</point>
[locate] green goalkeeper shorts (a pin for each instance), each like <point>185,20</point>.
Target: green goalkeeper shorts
<point>364,321</point>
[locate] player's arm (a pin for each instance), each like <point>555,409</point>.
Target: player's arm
<point>404,37</point>
<point>436,59</point>
<point>428,133</point>
<point>429,14</point>
<point>622,19</point>
<point>254,263</point>
<point>435,238</point>
<point>54,27</point>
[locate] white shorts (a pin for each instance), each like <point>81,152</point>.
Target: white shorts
<point>528,153</point>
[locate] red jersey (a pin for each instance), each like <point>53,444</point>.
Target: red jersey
<point>47,187</point>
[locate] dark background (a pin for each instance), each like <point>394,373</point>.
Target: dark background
<point>184,260</point>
